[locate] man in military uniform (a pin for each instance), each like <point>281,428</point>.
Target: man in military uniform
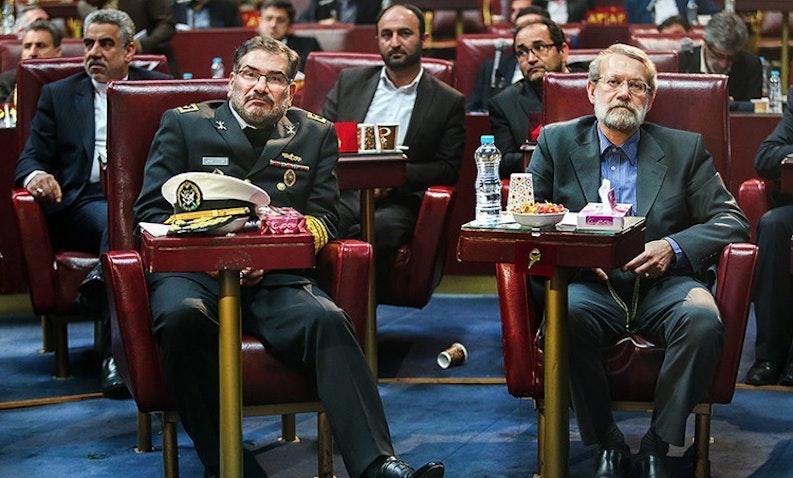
<point>291,154</point>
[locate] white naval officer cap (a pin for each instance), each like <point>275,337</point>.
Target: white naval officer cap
<point>211,203</point>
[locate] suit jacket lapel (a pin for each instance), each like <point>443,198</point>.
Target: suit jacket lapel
<point>425,97</point>
<point>651,172</point>
<point>585,160</point>
<point>227,127</point>
<point>360,108</point>
<point>84,107</point>
<point>281,136</point>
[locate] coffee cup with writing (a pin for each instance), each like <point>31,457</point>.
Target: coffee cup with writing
<point>387,136</point>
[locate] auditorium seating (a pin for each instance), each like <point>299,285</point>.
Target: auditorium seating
<point>665,41</point>
<point>195,49</point>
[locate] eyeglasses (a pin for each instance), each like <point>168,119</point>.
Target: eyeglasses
<point>720,55</point>
<point>635,87</point>
<point>275,82</point>
<point>539,49</point>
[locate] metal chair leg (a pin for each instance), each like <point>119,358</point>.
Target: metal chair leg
<point>325,447</point>
<point>144,433</point>
<point>170,448</point>
<point>60,337</point>
<point>702,443</point>
<point>288,428</point>
<point>46,334</point>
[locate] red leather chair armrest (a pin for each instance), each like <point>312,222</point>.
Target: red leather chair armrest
<point>519,327</point>
<point>137,355</point>
<point>754,197</point>
<point>36,250</point>
<point>733,295</point>
<point>344,271</point>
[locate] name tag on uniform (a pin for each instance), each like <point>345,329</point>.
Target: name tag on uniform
<point>215,161</point>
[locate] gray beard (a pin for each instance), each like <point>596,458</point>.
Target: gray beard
<point>624,121</point>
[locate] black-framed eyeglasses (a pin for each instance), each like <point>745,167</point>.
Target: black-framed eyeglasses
<point>539,50</point>
<point>274,81</point>
<point>635,87</point>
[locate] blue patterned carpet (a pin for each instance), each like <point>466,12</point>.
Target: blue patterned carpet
<point>477,430</point>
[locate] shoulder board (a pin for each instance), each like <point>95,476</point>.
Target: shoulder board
<point>316,117</point>
<point>187,108</point>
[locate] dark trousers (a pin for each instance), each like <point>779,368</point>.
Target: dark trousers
<point>676,312</point>
<point>773,293</point>
<point>393,223</point>
<point>301,326</point>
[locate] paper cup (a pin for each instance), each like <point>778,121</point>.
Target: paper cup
<point>367,139</point>
<point>453,356</point>
<point>521,191</point>
<point>387,135</point>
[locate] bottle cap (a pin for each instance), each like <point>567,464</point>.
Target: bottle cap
<point>487,138</point>
<point>217,59</point>
<point>775,73</point>
<point>187,76</point>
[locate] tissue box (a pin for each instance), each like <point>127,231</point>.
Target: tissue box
<point>593,217</point>
<point>281,221</point>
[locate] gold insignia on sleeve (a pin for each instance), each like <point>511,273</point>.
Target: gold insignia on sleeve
<point>317,228</point>
<point>292,157</point>
<point>187,108</point>
<point>316,117</point>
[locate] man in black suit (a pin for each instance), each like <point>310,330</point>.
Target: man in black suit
<point>540,47</point>
<point>284,309</point>
<point>507,72</point>
<point>326,12</point>
<point>773,283</point>
<point>276,20</point>
<point>663,293</point>
<point>198,14</point>
<point>568,11</point>
<point>41,40</point>
<point>431,120</point>
<point>60,164</point>
<point>723,53</point>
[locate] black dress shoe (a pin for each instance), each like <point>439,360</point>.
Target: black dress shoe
<point>764,373</point>
<point>652,465</point>
<point>786,379</point>
<point>111,385</point>
<point>396,468</point>
<point>613,463</point>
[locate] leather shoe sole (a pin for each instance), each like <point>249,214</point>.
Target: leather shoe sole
<point>764,373</point>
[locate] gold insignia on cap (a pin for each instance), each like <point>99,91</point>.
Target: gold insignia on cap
<point>188,196</point>
<point>292,157</point>
<point>221,126</point>
<point>316,117</point>
<point>187,108</point>
<point>290,129</point>
<point>289,177</point>
<point>281,186</point>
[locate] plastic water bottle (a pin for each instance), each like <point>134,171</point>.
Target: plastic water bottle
<point>766,68</point>
<point>8,18</point>
<point>775,93</point>
<point>488,182</point>
<point>729,6</point>
<point>217,68</point>
<point>187,76</point>
<point>691,11</point>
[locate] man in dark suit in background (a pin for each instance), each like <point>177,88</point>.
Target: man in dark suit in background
<point>60,164</point>
<point>431,120</point>
<point>540,47</point>
<point>507,72</point>
<point>198,14</point>
<point>154,22</point>
<point>723,53</point>
<point>773,283</point>
<point>326,12</point>
<point>568,11</point>
<point>41,40</point>
<point>668,177</point>
<point>284,309</point>
<point>276,21</point>
<point>656,11</point>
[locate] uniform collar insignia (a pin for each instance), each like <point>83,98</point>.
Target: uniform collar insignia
<point>220,125</point>
<point>290,129</point>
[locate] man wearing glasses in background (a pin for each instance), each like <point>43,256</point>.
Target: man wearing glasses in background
<point>540,47</point>
<point>723,53</point>
<point>668,177</point>
<point>256,136</point>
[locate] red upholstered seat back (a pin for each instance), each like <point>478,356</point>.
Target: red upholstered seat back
<point>11,51</point>
<point>34,74</point>
<point>322,70</point>
<point>128,141</point>
<point>602,36</point>
<point>705,98</point>
<point>195,49</point>
<point>664,41</point>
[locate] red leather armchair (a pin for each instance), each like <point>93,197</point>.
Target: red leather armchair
<point>633,363</point>
<point>418,266</point>
<point>664,41</point>
<point>268,386</point>
<point>53,275</point>
<point>195,49</point>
